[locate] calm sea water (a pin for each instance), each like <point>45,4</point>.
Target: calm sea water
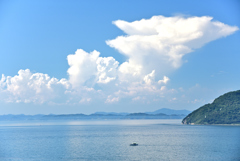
<point>160,140</point>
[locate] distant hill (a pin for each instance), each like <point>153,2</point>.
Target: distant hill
<point>159,114</point>
<point>168,111</point>
<point>224,110</point>
<point>110,113</point>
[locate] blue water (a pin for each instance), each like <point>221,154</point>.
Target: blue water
<point>160,140</point>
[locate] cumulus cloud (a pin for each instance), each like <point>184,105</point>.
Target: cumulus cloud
<point>164,81</point>
<point>153,47</point>
<point>159,43</point>
<point>111,99</point>
<point>107,69</point>
<point>82,67</point>
<point>149,77</point>
<point>31,87</point>
<point>89,68</point>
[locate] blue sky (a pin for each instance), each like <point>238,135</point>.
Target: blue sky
<point>176,58</point>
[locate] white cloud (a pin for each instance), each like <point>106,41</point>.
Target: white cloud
<point>159,43</point>
<point>88,68</point>
<point>82,67</point>
<point>28,87</point>
<point>107,69</point>
<point>154,48</point>
<point>111,99</point>
<point>149,78</point>
<point>164,81</point>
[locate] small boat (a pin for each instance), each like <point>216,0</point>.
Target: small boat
<point>134,144</point>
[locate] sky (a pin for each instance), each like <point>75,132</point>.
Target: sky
<point>65,57</point>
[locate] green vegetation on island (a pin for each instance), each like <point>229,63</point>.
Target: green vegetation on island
<point>224,110</point>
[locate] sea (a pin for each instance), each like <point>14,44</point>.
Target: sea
<point>109,140</point>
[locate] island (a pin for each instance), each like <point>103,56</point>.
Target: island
<point>224,110</point>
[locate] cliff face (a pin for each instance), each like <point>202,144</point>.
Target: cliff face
<point>224,110</point>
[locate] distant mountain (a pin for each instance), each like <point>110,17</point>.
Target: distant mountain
<point>165,111</point>
<point>159,114</point>
<point>153,116</point>
<point>20,117</point>
<point>65,116</point>
<point>138,114</point>
<point>224,110</point>
<point>110,113</point>
<point>168,111</point>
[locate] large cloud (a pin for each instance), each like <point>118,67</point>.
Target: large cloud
<point>154,47</point>
<point>159,43</point>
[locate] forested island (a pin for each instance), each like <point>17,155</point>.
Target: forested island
<point>224,110</point>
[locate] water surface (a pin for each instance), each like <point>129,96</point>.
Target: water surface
<point>165,140</point>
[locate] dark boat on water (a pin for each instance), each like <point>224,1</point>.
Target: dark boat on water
<point>134,144</point>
